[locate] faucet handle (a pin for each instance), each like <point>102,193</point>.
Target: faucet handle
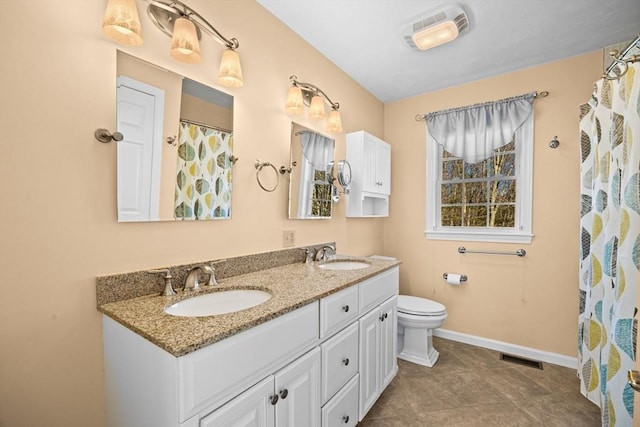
<point>168,288</point>
<point>308,255</point>
<point>211,270</point>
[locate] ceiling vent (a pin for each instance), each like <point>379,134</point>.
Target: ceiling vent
<point>436,28</point>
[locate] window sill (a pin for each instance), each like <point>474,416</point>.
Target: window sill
<point>479,236</point>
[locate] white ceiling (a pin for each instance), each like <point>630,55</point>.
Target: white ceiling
<point>362,37</point>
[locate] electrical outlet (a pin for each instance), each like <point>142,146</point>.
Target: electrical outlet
<point>288,238</point>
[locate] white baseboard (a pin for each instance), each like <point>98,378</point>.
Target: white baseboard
<point>513,349</point>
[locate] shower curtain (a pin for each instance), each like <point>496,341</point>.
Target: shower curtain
<point>610,224</point>
<point>203,180</point>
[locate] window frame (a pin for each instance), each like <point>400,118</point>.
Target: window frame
<point>521,232</point>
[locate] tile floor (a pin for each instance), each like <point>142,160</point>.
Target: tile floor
<point>471,386</point>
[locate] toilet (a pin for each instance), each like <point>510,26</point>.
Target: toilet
<point>417,318</point>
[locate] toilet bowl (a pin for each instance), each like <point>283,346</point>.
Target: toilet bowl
<point>417,318</point>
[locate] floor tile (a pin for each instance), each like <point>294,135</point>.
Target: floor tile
<point>471,386</point>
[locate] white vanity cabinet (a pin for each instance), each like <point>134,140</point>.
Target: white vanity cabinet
<point>370,160</point>
<point>378,338</point>
<point>324,364</point>
<point>289,398</point>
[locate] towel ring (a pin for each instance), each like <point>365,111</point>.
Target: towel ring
<point>259,165</point>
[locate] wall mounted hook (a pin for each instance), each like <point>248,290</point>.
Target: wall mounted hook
<point>554,142</point>
<point>104,136</point>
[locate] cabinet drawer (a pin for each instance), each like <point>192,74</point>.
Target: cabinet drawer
<point>377,289</point>
<point>337,310</point>
<point>339,361</point>
<point>342,410</point>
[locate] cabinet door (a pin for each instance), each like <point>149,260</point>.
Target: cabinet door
<point>383,168</point>
<point>253,408</point>
<point>370,162</point>
<point>298,388</point>
<point>369,358</point>
<point>388,342</point>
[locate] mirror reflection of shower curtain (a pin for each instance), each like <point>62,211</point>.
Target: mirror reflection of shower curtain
<point>317,152</point>
<point>203,180</point>
<point>610,241</point>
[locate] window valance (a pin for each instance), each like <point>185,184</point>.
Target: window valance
<point>473,132</point>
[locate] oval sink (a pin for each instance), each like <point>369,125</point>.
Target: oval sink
<point>220,302</point>
<point>344,265</point>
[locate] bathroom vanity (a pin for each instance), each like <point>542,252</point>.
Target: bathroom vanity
<point>318,353</point>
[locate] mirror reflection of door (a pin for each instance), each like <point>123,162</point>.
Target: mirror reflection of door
<point>311,179</point>
<point>186,172</point>
<point>139,119</point>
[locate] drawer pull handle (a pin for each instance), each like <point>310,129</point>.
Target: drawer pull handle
<point>345,419</point>
<point>345,308</point>
<point>284,393</point>
<point>345,361</point>
<point>274,399</point>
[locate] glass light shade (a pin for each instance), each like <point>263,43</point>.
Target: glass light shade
<point>121,22</point>
<point>334,122</point>
<point>436,35</point>
<point>294,103</point>
<point>230,73</point>
<point>184,43</point>
<point>316,110</point>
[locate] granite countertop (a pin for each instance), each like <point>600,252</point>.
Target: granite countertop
<point>292,286</point>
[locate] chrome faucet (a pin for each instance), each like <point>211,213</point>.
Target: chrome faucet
<point>321,254</point>
<point>309,255</point>
<point>192,284</point>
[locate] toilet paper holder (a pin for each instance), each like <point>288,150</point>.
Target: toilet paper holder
<point>463,277</point>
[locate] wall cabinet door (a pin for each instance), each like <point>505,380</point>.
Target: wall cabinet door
<point>376,156</point>
<point>298,388</point>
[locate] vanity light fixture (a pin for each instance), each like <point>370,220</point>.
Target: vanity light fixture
<point>301,94</point>
<point>185,27</point>
<point>436,28</point>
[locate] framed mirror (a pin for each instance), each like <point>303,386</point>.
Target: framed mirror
<point>311,185</point>
<point>176,159</point>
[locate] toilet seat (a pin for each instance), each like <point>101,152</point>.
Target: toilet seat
<point>420,306</point>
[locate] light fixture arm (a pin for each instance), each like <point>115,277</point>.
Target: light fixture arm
<point>176,7</point>
<point>313,88</point>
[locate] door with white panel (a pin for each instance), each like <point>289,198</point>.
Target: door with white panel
<point>140,109</point>
<point>298,388</point>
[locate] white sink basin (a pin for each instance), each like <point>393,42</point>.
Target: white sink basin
<point>220,302</point>
<point>344,265</point>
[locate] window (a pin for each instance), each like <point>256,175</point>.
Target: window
<point>489,200</point>
<point>320,195</point>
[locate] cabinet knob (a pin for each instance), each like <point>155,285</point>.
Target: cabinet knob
<point>382,318</point>
<point>284,393</point>
<point>345,361</point>
<point>345,419</point>
<point>274,399</point>
<point>345,308</point>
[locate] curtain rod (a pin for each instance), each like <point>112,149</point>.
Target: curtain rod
<point>206,125</point>
<point>536,95</point>
<point>622,60</point>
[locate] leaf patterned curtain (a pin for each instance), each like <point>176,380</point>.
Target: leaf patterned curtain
<point>203,181</point>
<point>610,240</point>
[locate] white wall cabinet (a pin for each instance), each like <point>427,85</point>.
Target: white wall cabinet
<point>299,369</point>
<point>370,160</point>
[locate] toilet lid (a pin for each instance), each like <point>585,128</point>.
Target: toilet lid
<point>419,306</point>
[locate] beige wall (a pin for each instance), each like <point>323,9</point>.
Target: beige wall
<point>530,301</point>
<point>58,227</point>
